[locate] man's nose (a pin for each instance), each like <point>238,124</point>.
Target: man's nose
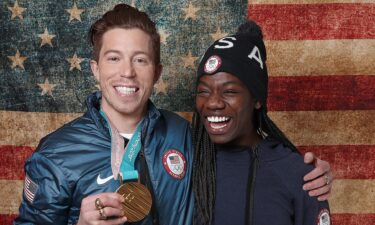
<point>127,69</point>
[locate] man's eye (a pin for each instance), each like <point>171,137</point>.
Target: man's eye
<point>113,58</point>
<point>140,60</point>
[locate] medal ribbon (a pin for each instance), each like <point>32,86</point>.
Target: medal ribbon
<point>131,151</point>
<point>123,159</point>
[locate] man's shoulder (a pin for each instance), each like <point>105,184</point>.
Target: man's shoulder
<point>181,117</point>
<point>80,123</point>
<point>77,131</point>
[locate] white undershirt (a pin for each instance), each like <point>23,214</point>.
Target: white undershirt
<point>127,136</point>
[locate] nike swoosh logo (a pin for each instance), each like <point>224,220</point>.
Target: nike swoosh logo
<point>101,181</point>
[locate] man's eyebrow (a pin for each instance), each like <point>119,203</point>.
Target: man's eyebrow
<point>134,53</point>
<point>111,51</point>
<point>141,52</point>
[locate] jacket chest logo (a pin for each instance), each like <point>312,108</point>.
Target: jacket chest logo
<point>174,163</point>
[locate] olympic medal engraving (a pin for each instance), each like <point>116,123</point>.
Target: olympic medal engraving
<point>138,201</point>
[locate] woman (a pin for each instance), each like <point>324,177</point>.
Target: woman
<point>246,171</point>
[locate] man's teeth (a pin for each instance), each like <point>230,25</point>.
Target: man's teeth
<point>126,90</point>
<point>217,119</point>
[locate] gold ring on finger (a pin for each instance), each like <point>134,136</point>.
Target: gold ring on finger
<point>326,177</point>
<point>98,204</point>
<point>102,214</point>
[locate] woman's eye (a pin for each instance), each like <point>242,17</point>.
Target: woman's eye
<point>230,91</point>
<point>202,91</point>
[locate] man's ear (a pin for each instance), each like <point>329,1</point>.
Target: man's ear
<point>158,71</point>
<point>257,104</point>
<point>95,69</point>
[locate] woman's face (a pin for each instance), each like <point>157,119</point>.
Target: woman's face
<point>226,108</point>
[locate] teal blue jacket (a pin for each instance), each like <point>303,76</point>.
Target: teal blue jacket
<point>75,162</point>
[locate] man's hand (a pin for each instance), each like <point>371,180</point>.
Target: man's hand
<point>319,180</point>
<point>104,208</point>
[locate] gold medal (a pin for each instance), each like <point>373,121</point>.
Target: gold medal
<point>138,200</point>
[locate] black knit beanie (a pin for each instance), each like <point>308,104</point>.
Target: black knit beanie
<point>242,55</point>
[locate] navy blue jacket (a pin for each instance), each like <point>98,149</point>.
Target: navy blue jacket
<point>73,162</point>
<point>278,197</point>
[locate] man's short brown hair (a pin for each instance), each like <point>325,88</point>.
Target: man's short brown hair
<point>127,17</point>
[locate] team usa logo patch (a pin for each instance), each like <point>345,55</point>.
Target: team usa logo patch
<point>212,64</point>
<point>174,163</point>
<point>324,217</point>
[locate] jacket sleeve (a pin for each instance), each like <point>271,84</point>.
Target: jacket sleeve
<point>309,211</point>
<point>45,198</point>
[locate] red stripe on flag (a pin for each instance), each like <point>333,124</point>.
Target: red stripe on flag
<point>347,161</point>
<point>342,219</point>
<point>7,219</point>
<point>353,219</point>
<point>321,93</point>
<point>314,21</point>
<point>13,158</point>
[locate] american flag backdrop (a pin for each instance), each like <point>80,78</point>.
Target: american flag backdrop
<point>321,61</point>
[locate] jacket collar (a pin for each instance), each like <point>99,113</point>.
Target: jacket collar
<point>268,149</point>
<point>93,108</point>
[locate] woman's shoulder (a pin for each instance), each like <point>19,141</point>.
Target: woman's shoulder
<point>285,163</point>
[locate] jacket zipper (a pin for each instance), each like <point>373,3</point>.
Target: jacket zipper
<point>147,182</point>
<point>251,185</point>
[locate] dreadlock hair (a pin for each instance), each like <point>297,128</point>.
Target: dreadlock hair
<point>267,128</point>
<point>204,173</point>
<point>204,165</point>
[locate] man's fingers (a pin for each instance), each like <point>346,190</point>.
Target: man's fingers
<point>112,212</point>
<point>320,191</point>
<point>314,184</point>
<point>321,167</point>
<point>106,200</point>
<point>319,179</point>
<point>324,197</point>
<point>116,221</point>
<point>108,212</point>
<point>314,174</point>
<point>113,200</point>
<point>309,158</point>
<point>104,208</point>
<point>325,179</point>
<point>320,187</point>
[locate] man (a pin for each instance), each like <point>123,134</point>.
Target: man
<point>73,169</point>
<point>74,173</point>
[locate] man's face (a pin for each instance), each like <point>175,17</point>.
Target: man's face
<point>226,108</point>
<point>126,72</point>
